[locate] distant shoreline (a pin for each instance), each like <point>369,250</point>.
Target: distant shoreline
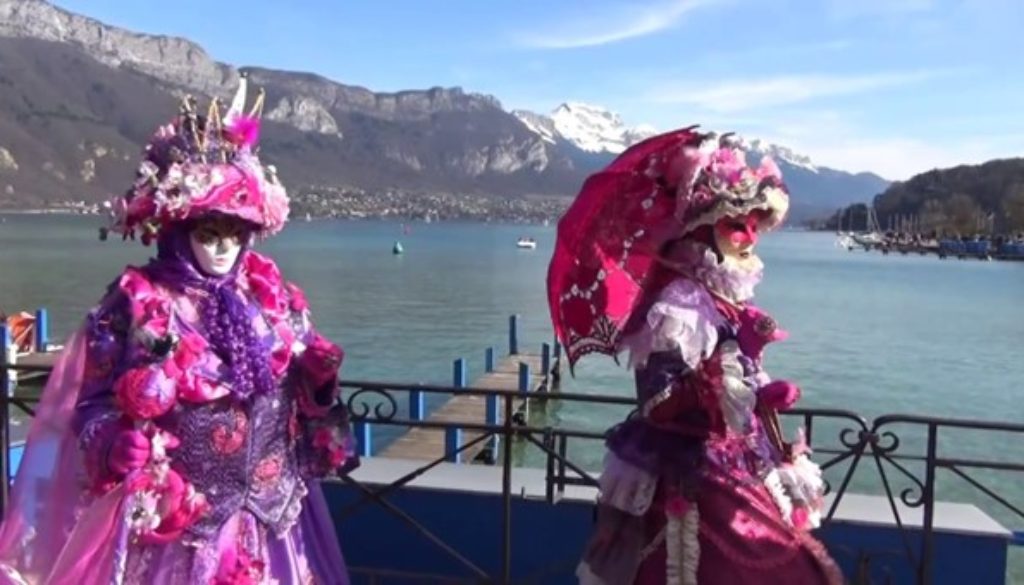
<point>44,212</point>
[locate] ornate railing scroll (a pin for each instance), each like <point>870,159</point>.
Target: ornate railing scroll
<point>897,456</point>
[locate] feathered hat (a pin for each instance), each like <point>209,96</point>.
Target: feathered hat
<point>610,240</point>
<point>714,184</point>
<point>199,165</point>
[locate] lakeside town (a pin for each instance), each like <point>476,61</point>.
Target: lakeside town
<point>399,204</point>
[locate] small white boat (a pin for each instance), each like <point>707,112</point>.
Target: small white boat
<point>526,243</point>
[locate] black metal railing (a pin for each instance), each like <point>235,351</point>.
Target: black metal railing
<point>895,456</point>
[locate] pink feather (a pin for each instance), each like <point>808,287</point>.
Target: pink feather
<point>243,131</point>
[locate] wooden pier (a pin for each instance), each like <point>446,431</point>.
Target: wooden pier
<point>522,372</point>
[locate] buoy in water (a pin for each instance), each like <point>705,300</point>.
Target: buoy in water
<point>397,248</point>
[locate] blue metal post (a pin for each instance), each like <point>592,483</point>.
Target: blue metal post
<point>416,404</point>
<point>5,420</point>
<point>524,377</point>
<point>364,437</point>
<point>459,373</point>
<point>453,435</point>
<point>452,441</point>
<point>5,374</point>
<point>489,360</point>
<point>42,329</point>
<point>491,413</point>
<point>513,335</point>
<point>545,359</point>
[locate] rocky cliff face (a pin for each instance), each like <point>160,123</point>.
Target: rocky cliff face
<point>78,98</point>
<point>174,60</point>
<point>75,80</point>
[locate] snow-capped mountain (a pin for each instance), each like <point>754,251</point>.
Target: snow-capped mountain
<point>595,129</point>
<point>591,136</point>
<point>587,127</point>
<point>540,125</point>
<point>779,153</point>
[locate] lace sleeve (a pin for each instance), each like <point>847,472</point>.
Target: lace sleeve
<point>326,444</point>
<point>683,320</point>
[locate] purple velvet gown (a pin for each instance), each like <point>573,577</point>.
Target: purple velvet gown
<point>695,490</point>
<point>237,391</point>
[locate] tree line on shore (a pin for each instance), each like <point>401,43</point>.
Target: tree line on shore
<point>959,201</point>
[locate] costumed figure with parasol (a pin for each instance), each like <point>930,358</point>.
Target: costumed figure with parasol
<point>182,434</point>
<point>656,258</point>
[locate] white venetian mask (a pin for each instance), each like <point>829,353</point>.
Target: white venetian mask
<point>216,246</point>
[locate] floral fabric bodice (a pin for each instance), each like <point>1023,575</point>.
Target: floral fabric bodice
<point>150,366</point>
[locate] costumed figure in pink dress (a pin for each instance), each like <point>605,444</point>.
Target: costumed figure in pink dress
<point>655,258</point>
<point>182,435</point>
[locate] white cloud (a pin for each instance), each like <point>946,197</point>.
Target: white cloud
<point>626,22</point>
<point>750,94</point>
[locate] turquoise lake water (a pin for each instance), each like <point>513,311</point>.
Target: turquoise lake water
<point>868,333</point>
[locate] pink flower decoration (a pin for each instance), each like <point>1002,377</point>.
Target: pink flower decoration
<point>334,443</point>
<point>318,370</point>
<point>768,169</point>
<point>145,393</point>
<point>197,389</point>
<point>150,306</point>
<point>320,361</point>
<point>281,354</point>
<point>297,298</point>
<point>243,131</point>
<point>237,567</point>
<point>280,358</point>
<point>265,284</point>
<point>190,350</point>
<point>275,207</point>
<point>173,501</point>
<point>727,164</point>
<point>757,329</point>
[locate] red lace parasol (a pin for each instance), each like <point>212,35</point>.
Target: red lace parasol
<point>608,242</point>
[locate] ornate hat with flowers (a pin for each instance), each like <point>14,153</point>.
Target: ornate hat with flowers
<point>610,240</point>
<point>199,165</point>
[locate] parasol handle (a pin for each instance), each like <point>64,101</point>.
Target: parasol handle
<point>773,428</point>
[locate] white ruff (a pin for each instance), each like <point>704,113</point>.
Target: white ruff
<point>728,278</point>
<point>774,485</point>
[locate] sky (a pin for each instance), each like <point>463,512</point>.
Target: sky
<point>895,87</point>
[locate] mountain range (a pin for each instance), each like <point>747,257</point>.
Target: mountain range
<point>78,98</point>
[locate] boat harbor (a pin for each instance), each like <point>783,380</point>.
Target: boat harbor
<point>960,249</point>
<point>906,236</point>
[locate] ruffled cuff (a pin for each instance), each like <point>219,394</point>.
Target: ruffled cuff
<point>626,487</point>
<point>95,441</point>
<point>326,446</point>
<point>318,376</point>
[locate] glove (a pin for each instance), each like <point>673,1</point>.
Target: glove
<point>129,450</point>
<point>779,395</point>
